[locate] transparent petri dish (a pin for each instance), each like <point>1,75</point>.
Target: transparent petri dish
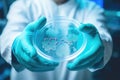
<point>59,40</point>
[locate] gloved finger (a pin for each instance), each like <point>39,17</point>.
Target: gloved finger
<point>34,63</point>
<point>16,47</point>
<point>32,67</point>
<point>80,61</point>
<point>87,63</point>
<point>73,33</point>
<point>27,48</point>
<point>40,69</point>
<point>26,61</point>
<point>31,52</point>
<point>45,62</point>
<point>20,54</point>
<point>87,54</point>
<point>89,29</point>
<point>33,60</point>
<point>36,25</point>
<point>36,66</point>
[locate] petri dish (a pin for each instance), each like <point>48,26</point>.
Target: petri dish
<point>59,40</point>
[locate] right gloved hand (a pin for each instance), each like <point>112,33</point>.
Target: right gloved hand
<point>25,53</point>
<point>93,54</point>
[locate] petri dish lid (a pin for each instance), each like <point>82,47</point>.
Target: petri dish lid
<point>59,40</point>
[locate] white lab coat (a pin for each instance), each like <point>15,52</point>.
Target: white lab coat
<point>23,12</point>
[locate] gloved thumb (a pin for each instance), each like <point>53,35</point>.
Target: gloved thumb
<point>88,28</point>
<point>36,25</point>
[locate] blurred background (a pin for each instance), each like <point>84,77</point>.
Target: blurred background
<point>112,12</point>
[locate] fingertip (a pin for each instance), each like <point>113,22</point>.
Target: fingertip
<point>41,22</point>
<point>53,63</point>
<point>43,19</point>
<point>36,25</point>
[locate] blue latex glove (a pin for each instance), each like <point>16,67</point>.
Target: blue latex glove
<point>92,54</point>
<point>26,54</point>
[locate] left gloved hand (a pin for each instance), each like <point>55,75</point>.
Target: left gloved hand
<point>93,52</point>
<point>25,53</point>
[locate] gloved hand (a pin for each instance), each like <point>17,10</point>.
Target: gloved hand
<point>26,54</point>
<point>93,52</point>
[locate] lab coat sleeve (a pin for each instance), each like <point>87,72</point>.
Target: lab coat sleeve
<point>95,15</point>
<point>17,20</point>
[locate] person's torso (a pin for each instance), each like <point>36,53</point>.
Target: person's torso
<point>49,9</point>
